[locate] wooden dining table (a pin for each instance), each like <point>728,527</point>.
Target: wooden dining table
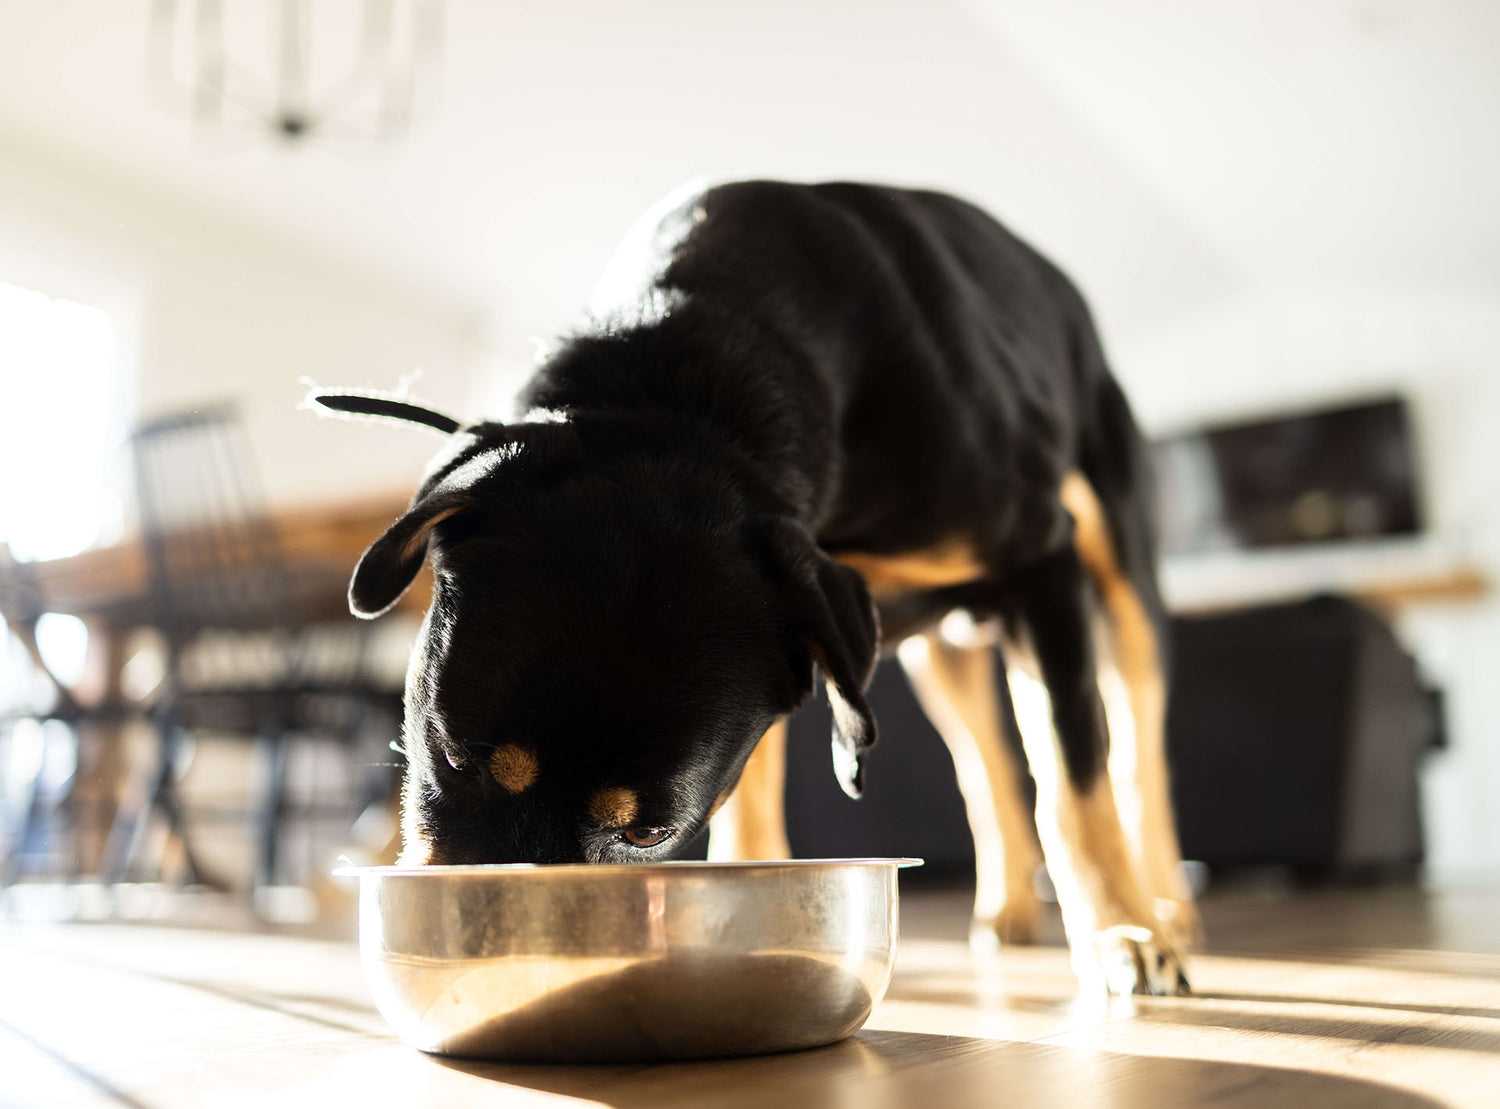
<point>108,588</point>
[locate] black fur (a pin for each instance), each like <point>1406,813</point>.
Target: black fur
<point>637,591</point>
<point>345,402</point>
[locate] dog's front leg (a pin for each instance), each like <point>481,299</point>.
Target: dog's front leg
<point>958,689</point>
<point>751,823</point>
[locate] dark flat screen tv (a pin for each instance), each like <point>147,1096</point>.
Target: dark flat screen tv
<point>1326,475</point>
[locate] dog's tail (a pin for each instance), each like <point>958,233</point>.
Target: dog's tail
<point>385,406</point>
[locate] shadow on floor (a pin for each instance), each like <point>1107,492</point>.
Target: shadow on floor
<point>1355,1003</point>
<point>911,1069</point>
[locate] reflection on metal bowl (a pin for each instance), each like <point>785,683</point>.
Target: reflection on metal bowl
<point>664,961</point>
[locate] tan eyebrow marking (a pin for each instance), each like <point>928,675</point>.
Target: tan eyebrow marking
<point>515,768</point>
<point>614,807</point>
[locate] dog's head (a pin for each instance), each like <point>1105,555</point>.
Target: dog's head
<point>612,630</point>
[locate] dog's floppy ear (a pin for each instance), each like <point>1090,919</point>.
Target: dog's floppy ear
<point>834,618</point>
<point>391,562</point>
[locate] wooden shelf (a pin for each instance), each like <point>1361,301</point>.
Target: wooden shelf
<point>1389,575</point>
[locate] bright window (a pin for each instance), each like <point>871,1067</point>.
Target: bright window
<point>58,441</point>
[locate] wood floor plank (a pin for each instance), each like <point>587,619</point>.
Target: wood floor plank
<point>1370,999</point>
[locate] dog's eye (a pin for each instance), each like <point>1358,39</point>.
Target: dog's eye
<point>645,837</point>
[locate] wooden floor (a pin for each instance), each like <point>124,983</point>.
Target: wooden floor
<point>1375,998</point>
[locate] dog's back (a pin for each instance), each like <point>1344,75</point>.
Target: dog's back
<point>951,372</point>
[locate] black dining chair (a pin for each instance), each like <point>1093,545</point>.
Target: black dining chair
<point>247,651</point>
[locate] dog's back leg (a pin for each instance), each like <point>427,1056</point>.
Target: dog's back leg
<point>957,688</point>
<point>751,822</point>
<point>1131,647</point>
<point>1115,938</point>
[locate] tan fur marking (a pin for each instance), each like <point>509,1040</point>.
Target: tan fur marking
<point>614,807</point>
<point>419,537</point>
<point>1091,531</point>
<point>515,768</point>
<point>951,562</point>
<point>1138,659</point>
<point>752,822</point>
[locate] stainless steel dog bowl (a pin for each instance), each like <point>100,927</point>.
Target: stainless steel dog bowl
<point>664,961</point>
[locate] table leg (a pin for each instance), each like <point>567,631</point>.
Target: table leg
<point>101,748</point>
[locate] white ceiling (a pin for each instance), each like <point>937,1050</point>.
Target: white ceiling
<point>1168,151</point>
<point>1350,139</point>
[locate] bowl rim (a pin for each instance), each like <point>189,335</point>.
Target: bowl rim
<point>642,869</point>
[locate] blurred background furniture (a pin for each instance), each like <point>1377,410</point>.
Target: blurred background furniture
<point>109,589</point>
<point>244,655</point>
<point>1330,474</point>
<point>1296,732</point>
<point>56,746</point>
<point>35,703</point>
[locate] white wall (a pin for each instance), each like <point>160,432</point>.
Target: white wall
<point>214,308</point>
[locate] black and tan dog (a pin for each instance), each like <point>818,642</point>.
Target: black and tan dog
<point>825,418</point>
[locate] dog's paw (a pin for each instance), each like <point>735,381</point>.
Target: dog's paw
<point>1128,960</point>
<point>1016,923</point>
